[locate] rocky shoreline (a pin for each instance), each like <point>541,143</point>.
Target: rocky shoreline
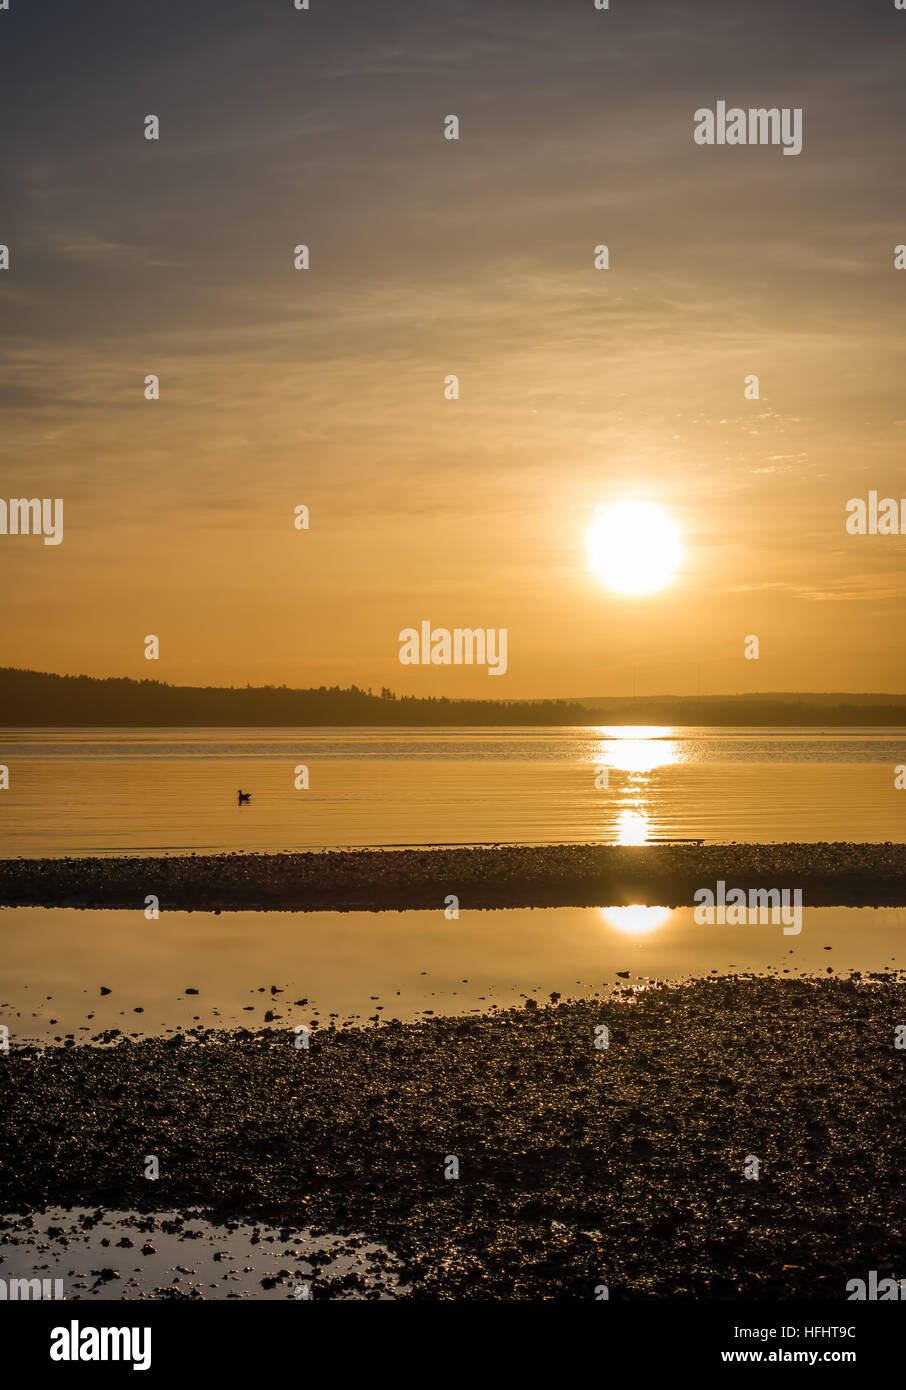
<point>830,875</point>
<point>578,1166</point>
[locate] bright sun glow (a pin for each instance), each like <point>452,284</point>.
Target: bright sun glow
<point>636,920</point>
<point>636,750</point>
<point>634,547</point>
<point>632,828</point>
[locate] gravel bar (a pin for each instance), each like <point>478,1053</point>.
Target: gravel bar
<point>829,875</point>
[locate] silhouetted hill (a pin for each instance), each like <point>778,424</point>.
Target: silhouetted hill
<point>36,699</point>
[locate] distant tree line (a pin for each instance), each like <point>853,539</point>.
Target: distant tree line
<point>36,699</point>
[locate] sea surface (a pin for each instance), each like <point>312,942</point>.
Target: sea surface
<point>173,791</point>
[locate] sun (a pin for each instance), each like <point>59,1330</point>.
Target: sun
<point>634,547</point>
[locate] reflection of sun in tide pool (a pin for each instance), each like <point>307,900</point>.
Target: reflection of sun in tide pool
<point>634,547</point>
<point>636,920</point>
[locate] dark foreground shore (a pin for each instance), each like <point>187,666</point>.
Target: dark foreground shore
<point>578,1167</point>
<point>830,875</point>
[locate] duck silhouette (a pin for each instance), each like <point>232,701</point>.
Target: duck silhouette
<point>243,796</point>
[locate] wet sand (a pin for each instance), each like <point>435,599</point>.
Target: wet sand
<point>481,877</point>
<point>578,1166</point>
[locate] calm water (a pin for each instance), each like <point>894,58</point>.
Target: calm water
<point>280,969</point>
<point>172,791</point>
<point>181,1251</point>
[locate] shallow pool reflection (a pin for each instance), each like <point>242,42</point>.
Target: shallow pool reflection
<point>636,920</point>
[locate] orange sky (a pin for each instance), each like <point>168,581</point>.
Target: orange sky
<point>430,257</point>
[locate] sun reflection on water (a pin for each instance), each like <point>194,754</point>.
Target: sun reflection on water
<point>636,920</point>
<point>632,828</point>
<point>642,749</point>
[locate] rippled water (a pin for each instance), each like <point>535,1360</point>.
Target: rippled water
<point>174,791</point>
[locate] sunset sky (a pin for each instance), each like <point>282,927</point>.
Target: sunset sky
<point>430,257</point>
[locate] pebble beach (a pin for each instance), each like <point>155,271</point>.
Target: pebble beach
<point>481,877</point>
<point>577,1166</point>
